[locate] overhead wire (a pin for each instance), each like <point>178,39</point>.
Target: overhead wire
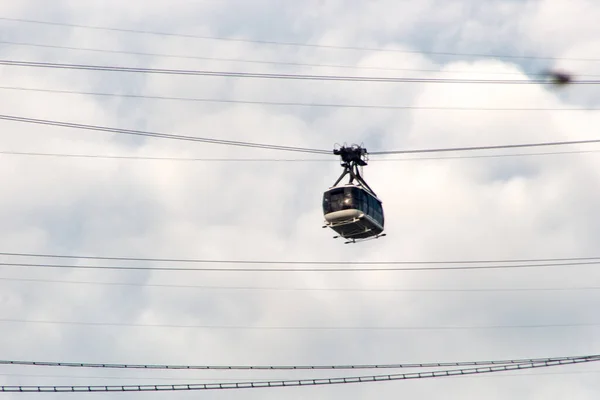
<point>296,262</point>
<point>462,157</point>
<point>267,62</point>
<point>295,104</point>
<point>289,269</point>
<point>161,135</point>
<point>294,44</point>
<point>202,159</point>
<point>301,77</point>
<point>298,382</point>
<point>242,379</point>
<point>270,146</point>
<point>302,160</point>
<point>278,367</point>
<point>304,327</point>
<point>144,378</point>
<point>474,148</point>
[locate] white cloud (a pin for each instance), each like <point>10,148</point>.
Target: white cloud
<point>480,208</point>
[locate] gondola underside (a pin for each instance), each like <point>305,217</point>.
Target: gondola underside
<point>353,224</point>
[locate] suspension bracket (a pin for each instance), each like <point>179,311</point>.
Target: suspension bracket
<point>353,157</point>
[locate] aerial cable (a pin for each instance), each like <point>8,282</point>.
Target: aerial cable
<point>303,160</point>
<point>160,135</point>
<point>267,62</point>
<point>289,269</point>
<point>299,382</point>
<point>279,367</point>
<point>274,147</point>
<point>305,328</point>
<point>270,62</point>
<point>240,379</point>
<point>232,74</point>
<point>188,159</point>
<point>502,146</point>
<point>158,378</point>
<point>292,262</point>
<point>295,44</point>
<point>295,104</point>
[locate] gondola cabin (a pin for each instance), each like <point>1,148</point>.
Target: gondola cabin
<point>353,212</point>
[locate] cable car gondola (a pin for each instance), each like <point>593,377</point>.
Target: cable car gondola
<point>353,210</point>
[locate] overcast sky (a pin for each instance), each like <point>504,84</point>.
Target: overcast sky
<point>541,206</point>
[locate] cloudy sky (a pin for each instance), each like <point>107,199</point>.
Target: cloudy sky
<point>440,209</point>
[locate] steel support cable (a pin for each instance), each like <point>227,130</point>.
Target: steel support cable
<point>149,158</point>
<point>160,135</point>
<point>281,367</point>
<point>473,148</point>
<point>273,147</point>
<point>298,382</point>
<point>304,328</point>
<point>271,62</point>
<point>328,269</point>
<point>292,104</point>
<point>232,74</point>
<point>306,289</point>
<point>303,160</point>
<point>290,262</point>
<point>266,62</point>
<point>244,379</point>
<point>310,45</point>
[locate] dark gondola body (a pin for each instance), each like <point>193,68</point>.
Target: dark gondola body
<point>353,212</point>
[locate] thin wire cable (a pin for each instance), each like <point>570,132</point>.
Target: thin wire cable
<point>161,135</point>
<point>474,148</point>
<point>299,382</point>
<point>240,379</point>
<point>142,378</point>
<point>303,160</point>
<point>279,367</point>
<point>302,328</point>
<point>304,289</point>
<point>287,269</point>
<point>190,159</point>
<point>293,104</point>
<point>290,262</point>
<point>273,147</point>
<point>267,62</point>
<point>232,74</point>
<point>295,44</point>
<point>547,153</point>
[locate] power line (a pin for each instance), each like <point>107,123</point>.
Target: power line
<point>161,135</point>
<point>290,262</point>
<point>305,289</point>
<point>273,147</point>
<point>301,382</point>
<point>265,62</point>
<point>232,74</point>
<point>341,269</point>
<point>278,367</point>
<point>295,44</point>
<point>302,328</point>
<point>295,104</point>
